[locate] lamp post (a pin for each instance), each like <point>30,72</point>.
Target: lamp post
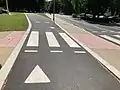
<point>53,10</point>
<point>7,5</point>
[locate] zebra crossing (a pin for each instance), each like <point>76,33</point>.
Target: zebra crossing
<point>34,38</point>
<point>112,38</point>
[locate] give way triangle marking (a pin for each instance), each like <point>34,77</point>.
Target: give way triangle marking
<point>37,76</point>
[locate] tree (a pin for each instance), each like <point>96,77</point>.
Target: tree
<point>29,5</point>
<point>97,7</point>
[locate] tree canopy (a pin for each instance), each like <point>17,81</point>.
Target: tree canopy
<point>21,5</point>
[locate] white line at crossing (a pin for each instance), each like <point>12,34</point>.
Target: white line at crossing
<point>69,41</point>
<point>118,36</point>
<point>79,52</point>
<point>33,39</point>
<point>111,39</point>
<point>31,51</point>
<point>52,41</point>
<point>56,51</point>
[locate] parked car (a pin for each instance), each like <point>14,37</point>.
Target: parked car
<point>74,15</point>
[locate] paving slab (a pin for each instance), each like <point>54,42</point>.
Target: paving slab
<point>4,54</point>
<point>12,39</point>
<point>111,56</point>
<point>4,34</point>
<point>8,41</point>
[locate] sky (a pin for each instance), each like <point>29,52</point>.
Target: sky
<point>48,0</point>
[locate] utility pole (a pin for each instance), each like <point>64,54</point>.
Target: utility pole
<point>7,5</point>
<point>53,10</point>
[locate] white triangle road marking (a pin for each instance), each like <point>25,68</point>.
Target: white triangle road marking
<point>37,76</point>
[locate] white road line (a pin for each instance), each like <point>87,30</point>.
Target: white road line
<point>69,41</point>
<point>33,39</point>
<point>118,36</point>
<point>52,41</point>
<point>46,22</point>
<point>37,76</point>
<point>30,51</point>
<point>103,31</point>
<point>56,51</point>
<point>80,52</point>
<point>37,22</point>
<point>52,27</point>
<point>111,39</point>
<point>112,31</point>
<point>94,31</point>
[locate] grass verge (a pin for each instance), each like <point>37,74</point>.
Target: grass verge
<point>14,22</point>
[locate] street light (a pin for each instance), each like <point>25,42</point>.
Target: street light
<point>53,10</point>
<point>7,5</point>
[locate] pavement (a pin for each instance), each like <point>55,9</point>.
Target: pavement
<point>8,41</point>
<point>90,35</point>
<point>50,59</point>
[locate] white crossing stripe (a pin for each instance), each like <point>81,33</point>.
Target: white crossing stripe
<point>69,41</point>
<point>81,52</point>
<point>31,51</point>
<point>118,36</point>
<point>33,39</point>
<point>111,39</point>
<point>56,51</point>
<point>52,41</point>
<point>37,76</point>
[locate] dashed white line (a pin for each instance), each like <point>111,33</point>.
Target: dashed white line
<point>52,41</point>
<point>112,31</point>
<point>111,39</point>
<point>95,31</point>
<point>30,51</point>
<point>46,22</point>
<point>52,27</point>
<point>80,52</point>
<point>103,31</point>
<point>33,39</point>
<point>56,51</point>
<point>69,41</point>
<point>37,22</point>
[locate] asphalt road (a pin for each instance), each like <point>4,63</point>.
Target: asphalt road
<point>56,62</point>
